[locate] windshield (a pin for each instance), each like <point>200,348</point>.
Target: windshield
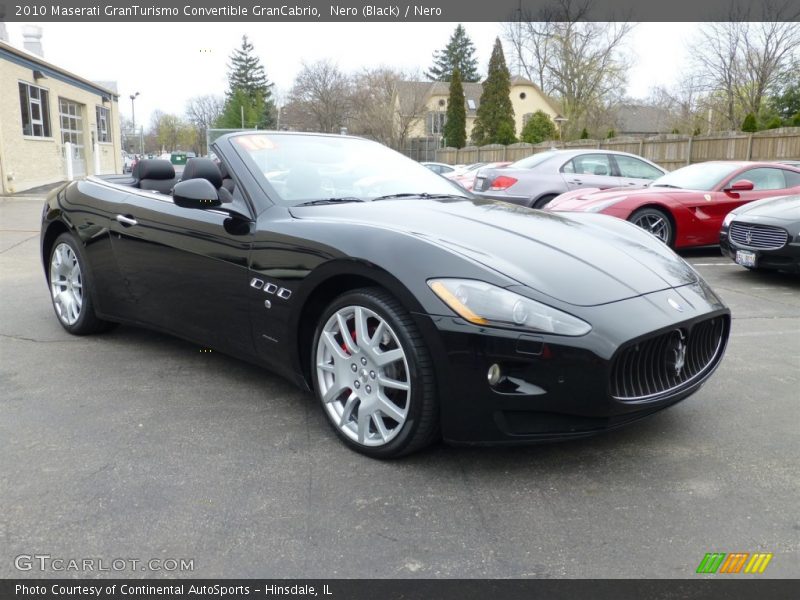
<point>702,176</point>
<point>307,168</point>
<point>532,161</point>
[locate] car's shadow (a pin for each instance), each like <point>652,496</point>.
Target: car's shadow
<point>595,452</point>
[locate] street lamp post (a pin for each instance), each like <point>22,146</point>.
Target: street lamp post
<point>133,115</point>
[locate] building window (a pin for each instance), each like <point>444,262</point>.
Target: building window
<point>525,118</point>
<point>522,95</point>
<point>103,130</point>
<point>471,104</point>
<point>434,124</point>
<point>34,103</point>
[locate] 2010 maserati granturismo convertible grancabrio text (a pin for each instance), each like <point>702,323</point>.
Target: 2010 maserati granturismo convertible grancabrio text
<point>410,308</point>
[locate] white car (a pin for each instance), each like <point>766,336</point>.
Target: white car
<point>127,162</point>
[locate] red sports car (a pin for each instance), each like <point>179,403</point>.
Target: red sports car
<point>686,207</point>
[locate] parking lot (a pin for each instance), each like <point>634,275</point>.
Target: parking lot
<point>136,445</point>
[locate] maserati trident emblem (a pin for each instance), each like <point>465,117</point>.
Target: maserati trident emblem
<point>677,352</point>
<point>675,304</point>
<point>748,236</point>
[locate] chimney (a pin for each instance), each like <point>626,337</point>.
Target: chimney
<point>32,39</point>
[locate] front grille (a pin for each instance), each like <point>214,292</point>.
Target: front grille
<point>763,237</point>
<point>670,361</point>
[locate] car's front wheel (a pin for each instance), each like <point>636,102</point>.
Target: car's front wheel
<point>70,288</point>
<point>373,375</point>
<point>656,222</point>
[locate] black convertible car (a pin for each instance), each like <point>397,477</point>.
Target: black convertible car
<point>764,234</point>
<point>411,309</point>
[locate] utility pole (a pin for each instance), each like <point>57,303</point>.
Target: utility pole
<point>133,113</point>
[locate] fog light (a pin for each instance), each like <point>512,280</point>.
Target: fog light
<point>494,375</point>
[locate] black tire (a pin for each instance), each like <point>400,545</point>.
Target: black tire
<point>421,425</point>
<point>664,230</point>
<point>87,321</point>
<point>542,202</point>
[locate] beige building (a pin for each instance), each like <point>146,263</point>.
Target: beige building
<point>428,101</point>
<point>46,111</point>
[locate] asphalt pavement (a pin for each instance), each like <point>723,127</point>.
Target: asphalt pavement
<point>135,445</point>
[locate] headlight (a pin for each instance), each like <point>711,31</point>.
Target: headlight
<point>728,218</point>
<point>485,304</point>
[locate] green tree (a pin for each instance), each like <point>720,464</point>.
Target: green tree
<point>585,134</point>
<point>242,110</point>
<point>246,73</point>
<point>455,128</point>
<point>540,127</point>
<point>458,54</point>
<point>495,117</point>
<point>611,133</point>
<point>749,124</point>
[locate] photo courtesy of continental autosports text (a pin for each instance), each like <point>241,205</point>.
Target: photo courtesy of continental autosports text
<point>436,299</point>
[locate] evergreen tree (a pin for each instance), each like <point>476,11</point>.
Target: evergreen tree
<point>458,54</point>
<point>246,73</point>
<point>749,124</point>
<point>611,134</point>
<point>495,117</point>
<point>455,128</point>
<point>584,134</point>
<point>242,111</point>
<point>540,127</point>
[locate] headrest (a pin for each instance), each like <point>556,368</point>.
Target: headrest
<point>155,168</point>
<point>202,168</point>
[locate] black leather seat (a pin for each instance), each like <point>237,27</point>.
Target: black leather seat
<point>227,180</point>
<point>205,168</point>
<point>156,175</point>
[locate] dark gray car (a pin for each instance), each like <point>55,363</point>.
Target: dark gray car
<point>537,179</point>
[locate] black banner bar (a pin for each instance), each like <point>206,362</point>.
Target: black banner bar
<point>729,588</point>
<point>215,11</point>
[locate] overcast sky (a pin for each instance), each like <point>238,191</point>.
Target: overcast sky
<point>168,63</point>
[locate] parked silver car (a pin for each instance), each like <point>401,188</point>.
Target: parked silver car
<point>536,180</point>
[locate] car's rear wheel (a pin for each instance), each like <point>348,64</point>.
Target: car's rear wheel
<point>656,222</point>
<point>70,288</point>
<point>542,202</point>
<point>373,375</point>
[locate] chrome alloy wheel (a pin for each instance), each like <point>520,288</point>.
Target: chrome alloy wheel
<point>66,284</point>
<point>655,224</point>
<point>363,376</point>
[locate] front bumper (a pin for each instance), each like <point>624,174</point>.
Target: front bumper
<point>786,258</point>
<point>557,387</point>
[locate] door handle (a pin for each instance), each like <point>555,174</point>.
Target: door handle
<point>126,221</point>
<point>576,181</point>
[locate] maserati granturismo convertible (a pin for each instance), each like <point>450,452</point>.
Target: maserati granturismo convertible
<point>410,308</point>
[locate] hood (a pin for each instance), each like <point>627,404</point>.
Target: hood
<point>784,208</point>
<point>580,259</point>
<point>594,199</point>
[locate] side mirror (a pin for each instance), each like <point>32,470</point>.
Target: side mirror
<point>195,193</point>
<point>741,185</point>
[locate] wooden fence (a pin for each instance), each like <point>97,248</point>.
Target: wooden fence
<point>670,151</point>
